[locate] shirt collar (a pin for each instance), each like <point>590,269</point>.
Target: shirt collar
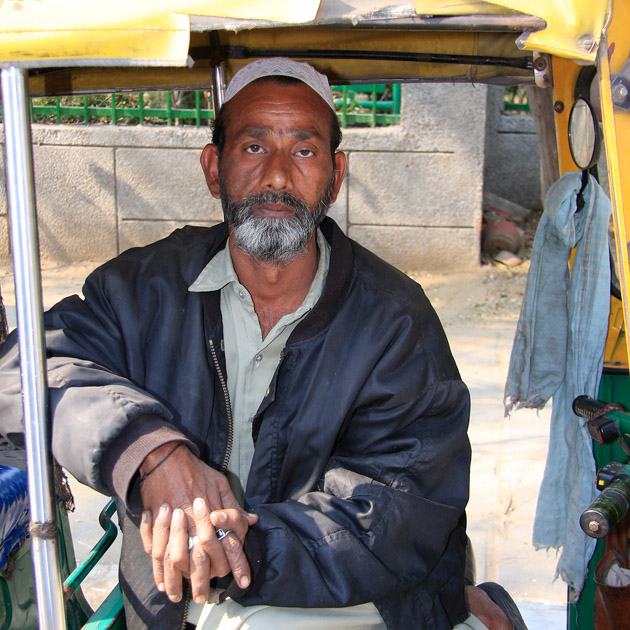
<point>219,272</point>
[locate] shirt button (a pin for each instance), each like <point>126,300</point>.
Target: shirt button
<point>258,359</point>
<point>241,294</point>
<point>251,419</point>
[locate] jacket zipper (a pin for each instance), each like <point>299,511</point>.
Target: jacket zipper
<point>228,450</point>
<point>187,596</point>
<point>228,406</point>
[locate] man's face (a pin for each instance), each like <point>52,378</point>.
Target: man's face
<point>276,176</point>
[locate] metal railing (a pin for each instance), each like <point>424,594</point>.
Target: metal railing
<point>368,105</point>
<point>515,100</point>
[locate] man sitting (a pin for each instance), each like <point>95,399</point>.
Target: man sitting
<point>276,408</point>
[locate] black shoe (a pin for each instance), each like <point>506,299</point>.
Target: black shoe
<point>503,600</point>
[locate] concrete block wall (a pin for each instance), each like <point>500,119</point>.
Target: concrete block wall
<point>512,164</point>
<point>413,192</point>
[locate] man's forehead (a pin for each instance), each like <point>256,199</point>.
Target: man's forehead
<point>263,109</point>
<point>288,131</point>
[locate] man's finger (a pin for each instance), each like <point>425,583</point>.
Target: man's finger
<point>219,565</point>
<point>235,523</point>
<point>199,574</point>
<point>236,520</point>
<point>236,557</point>
<point>146,531</point>
<point>161,532</point>
<point>176,556</point>
<point>201,513</point>
<point>178,542</point>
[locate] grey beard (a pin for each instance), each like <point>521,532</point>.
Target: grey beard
<point>269,239</point>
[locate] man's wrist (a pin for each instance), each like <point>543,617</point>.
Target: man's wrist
<point>120,462</point>
<point>156,458</point>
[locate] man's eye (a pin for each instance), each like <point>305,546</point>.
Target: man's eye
<point>254,148</point>
<point>305,153</point>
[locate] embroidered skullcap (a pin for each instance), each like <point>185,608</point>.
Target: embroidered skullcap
<point>281,66</point>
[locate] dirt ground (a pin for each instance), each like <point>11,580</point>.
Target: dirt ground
<point>490,292</point>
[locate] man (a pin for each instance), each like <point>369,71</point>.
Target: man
<point>276,409</point>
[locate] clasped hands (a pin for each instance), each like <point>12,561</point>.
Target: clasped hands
<point>184,498</point>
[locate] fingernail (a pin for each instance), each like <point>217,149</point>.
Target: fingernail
<point>174,598</point>
<point>162,511</point>
<point>145,516</point>
<point>200,599</point>
<point>198,506</point>
<point>161,587</point>
<point>177,515</point>
<point>244,582</point>
<point>221,517</point>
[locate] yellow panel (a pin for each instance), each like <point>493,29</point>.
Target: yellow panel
<point>616,352</point>
<point>573,26</point>
<point>617,141</point>
<point>129,31</point>
<point>287,11</point>
<point>565,74</point>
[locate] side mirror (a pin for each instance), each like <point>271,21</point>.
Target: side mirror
<point>585,139</point>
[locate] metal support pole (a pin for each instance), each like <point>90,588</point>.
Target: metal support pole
<point>218,87</point>
<point>24,244</point>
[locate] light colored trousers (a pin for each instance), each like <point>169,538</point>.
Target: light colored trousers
<point>232,616</point>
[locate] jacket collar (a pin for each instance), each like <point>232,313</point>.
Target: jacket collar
<point>338,280</point>
<point>340,274</point>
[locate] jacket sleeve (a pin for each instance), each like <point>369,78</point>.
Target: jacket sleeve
<point>388,512</point>
<point>91,395</point>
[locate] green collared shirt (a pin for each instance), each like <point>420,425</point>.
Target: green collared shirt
<point>251,360</point>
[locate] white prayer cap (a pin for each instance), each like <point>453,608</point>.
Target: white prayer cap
<point>281,66</point>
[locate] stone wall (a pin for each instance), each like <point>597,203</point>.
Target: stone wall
<point>413,193</point>
<point>512,164</point>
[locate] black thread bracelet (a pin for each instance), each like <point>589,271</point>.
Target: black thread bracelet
<point>146,474</point>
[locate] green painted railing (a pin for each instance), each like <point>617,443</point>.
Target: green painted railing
<point>368,105</point>
<point>354,109</point>
<point>515,100</point>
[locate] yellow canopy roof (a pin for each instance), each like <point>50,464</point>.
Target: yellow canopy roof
<point>156,32</point>
<point>573,27</point>
<point>78,46</point>
<point>124,32</point>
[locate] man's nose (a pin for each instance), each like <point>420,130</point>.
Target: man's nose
<point>277,171</point>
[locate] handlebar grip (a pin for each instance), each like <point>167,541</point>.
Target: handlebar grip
<point>586,406</point>
<point>607,509</point>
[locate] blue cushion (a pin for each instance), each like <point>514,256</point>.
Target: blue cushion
<point>14,511</point>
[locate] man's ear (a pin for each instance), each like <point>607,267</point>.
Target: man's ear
<point>210,165</point>
<point>340,166</point>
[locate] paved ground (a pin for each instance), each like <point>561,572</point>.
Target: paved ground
<point>479,310</point>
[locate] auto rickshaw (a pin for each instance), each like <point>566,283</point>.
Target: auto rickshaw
<point>580,50</point>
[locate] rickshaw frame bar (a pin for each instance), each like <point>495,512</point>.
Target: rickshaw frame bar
<point>25,252</point>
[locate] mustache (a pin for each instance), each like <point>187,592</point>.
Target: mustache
<point>285,198</point>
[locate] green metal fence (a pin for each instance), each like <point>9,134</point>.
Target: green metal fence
<point>515,100</point>
<point>368,105</point>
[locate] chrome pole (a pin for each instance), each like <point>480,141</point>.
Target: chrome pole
<point>25,251</point>
<point>218,87</point>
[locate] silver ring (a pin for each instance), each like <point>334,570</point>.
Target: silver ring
<point>222,533</point>
<point>192,541</point>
